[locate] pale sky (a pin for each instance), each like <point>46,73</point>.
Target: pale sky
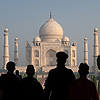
<point>24,18</point>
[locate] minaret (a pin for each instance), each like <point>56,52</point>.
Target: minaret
<point>6,49</point>
<point>16,51</point>
<point>85,50</point>
<point>96,50</point>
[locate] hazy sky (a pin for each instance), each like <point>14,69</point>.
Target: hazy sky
<point>24,18</point>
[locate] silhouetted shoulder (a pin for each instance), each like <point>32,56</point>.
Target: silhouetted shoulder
<point>31,82</point>
<point>83,89</point>
<point>62,72</point>
<point>84,84</point>
<point>32,89</point>
<point>10,86</point>
<point>69,70</point>
<point>28,79</point>
<point>0,83</point>
<point>9,76</point>
<point>84,80</point>
<point>3,75</point>
<point>60,69</point>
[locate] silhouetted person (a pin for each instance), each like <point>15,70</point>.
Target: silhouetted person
<point>0,90</point>
<point>82,88</point>
<point>17,73</point>
<point>10,83</point>
<point>59,79</point>
<point>31,88</point>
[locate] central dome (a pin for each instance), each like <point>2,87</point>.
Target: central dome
<point>51,31</point>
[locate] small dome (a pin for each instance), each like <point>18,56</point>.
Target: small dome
<point>37,39</point>
<point>51,30</point>
<point>95,30</point>
<point>65,38</point>
<point>6,30</point>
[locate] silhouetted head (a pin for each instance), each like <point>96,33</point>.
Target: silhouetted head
<point>10,66</point>
<point>61,57</point>
<point>17,72</point>
<point>83,69</point>
<point>98,61</point>
<point>30,71</point>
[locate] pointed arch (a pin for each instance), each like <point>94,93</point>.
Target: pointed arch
<point>51,57</point>
<point>36,53</point>
<point>36,62</point>
<point>73,53</point>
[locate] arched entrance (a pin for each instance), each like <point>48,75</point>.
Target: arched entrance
<point>36,62</point>
<point>51,58</point>
<point>36,53</point>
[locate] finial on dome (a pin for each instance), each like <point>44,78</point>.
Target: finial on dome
<point>50,14</point>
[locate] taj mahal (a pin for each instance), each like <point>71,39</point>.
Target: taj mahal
<point>43,48</point>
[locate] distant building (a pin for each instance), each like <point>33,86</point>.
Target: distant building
<point>43,49</point>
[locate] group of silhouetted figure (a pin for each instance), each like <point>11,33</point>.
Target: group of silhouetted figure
<point>59,85</point>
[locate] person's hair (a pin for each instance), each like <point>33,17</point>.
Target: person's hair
<point>10,66</point>
<point>61,55</point>
<point>30,70</point>
<point>83,69</point>
<point>17,71</point>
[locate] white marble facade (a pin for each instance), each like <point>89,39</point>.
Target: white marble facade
<point>43,49</point>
